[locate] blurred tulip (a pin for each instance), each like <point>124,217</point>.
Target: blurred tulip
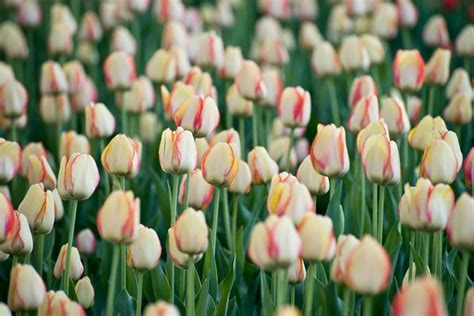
<point>374,47</point>
<point>297,272</point>
<point>339,23</point>
<point>121,157</point>
<point>464,45</point>
<point>200,192</point>
<point>459,229</point>
<point>381,160</point>
<point>267,28</point>
<point>88,94</point>
<point>100,123</point>
<point>87,53</point>
<point>435,32</point>
<point>39,171</point>
<point>52,303</point>
<point>358,7</point>
<point>232,62</point>
<point>395,116</point>
<point>236,104</point>
<point>273,86</point>
<point>85,292</point>
<point>19,241</point>
<point>123,41</point>
<point>278,151</point>
<point>229,136</point>
<point>32,148</point>
<point>469,167</point>
<point>4,310</point>
<point>287,310</point>
<point>459,83</point>
<point>161,308</point>
<point>407,13</point>
<point>262,166</point>
<point>353,54</point>
<point>375,128</point>
<point>174,99</point>
<point>198,114</point>
<point>174,34</point>
<point>90,28</point>
<point>200,81</point>
<point>60,13</point>
<point>78,177</point>
<point>167,10</point>
<point>29,14</point>
<point>27,289</point>
<point>309,36</point>
<point>144,252</point>
<point>76,267</point>
<point>10,160</point>
<point>346,244</point>
<point>324,60</point>
<point>243,179</point>
<point>469,302</point>
<point>149,127</point>
<point>51,104</point>
<point>71,142</point>
<point>385,20</point>
<point>361,87</point>
<point>302,149</point>
<point>219,164</point>
<point>14,43</point>
<point>437,68</point>
<point>363,113</point>
<point>60,40</point>
<point>140,97</point>
<point>181,59</point>
<point>38,208</point>
<point>161,68</point>
<point>210,50</point>
<point>86,242</point>
<point>294,108</point>
<point>7,218</point>
<point>459,109</point>
<point>6,74</point>
<point>52,80</point>
<point>249,81</point>
<point>316,183</point>
<point>13,99</point>
<point>408,70</point>
<point>75,76</point>
<point>119,71</point>
<point>419,135</point>
<point>317,236</point>
<point>177,152</point>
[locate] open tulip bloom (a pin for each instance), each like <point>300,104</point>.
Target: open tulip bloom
<point>236,157</point>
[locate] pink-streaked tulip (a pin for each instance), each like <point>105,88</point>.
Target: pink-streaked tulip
<point>426,207</point>
<point>166,10</point>
<point>100,122</point>
<point>317,235</point>
<point>119,217</point>
<point>7,218</point>
<point>302,149</point>
<point>375,128</point>
<point>6,74</point>
<point>10,160</point>
<point>459,83</point>
<point>408,70</point>
<point>361,87</point>
<point>407,13</point>
<point>210,50</point>
<point>61,13</point>
<point>469,167</point>
<point>232,62</point>
<point>38,208</point>
<point>90,28</point>
<point>13,99</point>
<point>297,272</point>
<point>236,104</point>
<point>422,297</point>
<point>395,116</point>
<point>278,151</point>
<point>161,68</point>
<point>85,242</point>
<point>27,289</point>
<point>381,160</point>
<point>358,7</point>
<point>219,164</point>
<point>200,81</point>
<point>161,307</point>
<point>178,257</point>
<point>385,20</point>
<point>149,127</point>
<point>108,16</point>
<point>273,86</point>
<point>329,151</point>
<point>339,23</point>
<point>324,60</point>
<point>173,99</point>
<point>52,80</point>
<point>469,302</point>
<point>353,54</point>
<point>278,9</point>
<point>464,45</point>
<point>200,192</point>
<point>78,177</point>
<point>345,245</point>
<point>223,15</point>
<point>243,179</point>
<point>177,152</point>
<point>20,239</point>
<point>87,53</point>
<point>123,41</point>
<point>275,243</point>
<point>60,40</point>
<point>121,157</point>
<point>267,28</point>
<point>71,142</point>
<point>88,94</point>
<point>85,292</point>
<point>38,170</point>
<point>363,113</point>
<point>460,230</point>
<point>174,34</point>
<point>29,14</point>
<point>51,104</point>
<point>309,36</point>
<point>419,135</point>
<point>58,206</point>
<point>138,6</point>
<point>201,146</point>
<point>230,136</point>
<point>76,267</point>
<point>435,32</point>
<point>437,68</point>
<point>316,183</point>
<point>119,70</point>
<point>271,52</point>
<point>191,232</point>
<point>14,43</point>
<point>374,47</point>
<point>262,166</point>
<point>145,251</point>
<point>75,76</point>
<point>294,108</point>
<point>198,114</point>
<point>56,303</point>
<point>141,97</point>
<point>181,59</point>
<point>459,109</point>
<point>442,158</point>
<point>249,81</point>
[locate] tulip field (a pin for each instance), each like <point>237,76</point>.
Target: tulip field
<point>236,157</point>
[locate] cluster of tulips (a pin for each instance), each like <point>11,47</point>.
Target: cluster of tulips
<point>155,158</point>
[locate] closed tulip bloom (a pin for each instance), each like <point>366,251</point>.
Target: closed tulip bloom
<point>71,142</point>
<point>437,68</point>
<point>353,54</point>
<point>100,123</point>
<point>178,257</point>
<point>14,43</point>
<point>140,97</point>
<point>174,34</point>
<point>201,146</point>
<point>374,47</point>
<point>60,40</point>
<point>173,99</point>
<point>459,109</point>
<point>267,27</point>
<point>249,81</point>
<point>119,70</point>
<point>27,289</point>
<point>273,87</point>
<point>324,60</point>
<point>76,265</point>
<point>75,76</point>
<point>52,80</point>
<point>408,70</point>
<point>149,127</point>
<point>123,41</point>
<point>316,183</point>
<point>51,104</point>
<point>230,136</point>
<point>302,149</point>
<point>121,157</point>
<point>375,128</point>
<point>294,108</point>
<point>419,135</point>
<point>13,99</point>
<point>7,218</point>
<point>85,96</point>
<point>458,83</point>
<point>200,192</point>
<point>423,297</point>
<point>381,160</point>
<point>78,177</point>
<point>54,303</point>
<point>200,81</point>
<point>339,23</point>
<point>297,272</point>
<point>119,217</point>
<point>435,32</point>
<point>460,231</point>
<point>87,53</point>
<point>271,52</point>
<point>20,241</point>
<point>407,13</point>
<point>177,152</point>
<point>61,13</point>
<point>242,182</point>
<point>278,151</point>
<point>39,171</point>
<point>161,308</point>
<point>210,50</point>
<point>361,87</point>
<point>236,104</point>
<point>6,74</point>
<point>181,60</point>
<point>29,13</point>
<point>191,232</point>
<point>58,206</point>
<point>85,292</point>
<point>385,20</point>
<point>346,244</point>
<point>395,116</point>
<point>317,235</point>
<point>464,45</point>
<point>161,68</point>
<point>10,160</point>
<point>262,166</point>
<point>219,164</point>
<point>85,242</point>
<point>363,113</point>
<point>358,7</point>
<point>442,158</point>
<point>198,114</point>
<point>90,28</point>
<point>469,167</point>
<point>144,252</point>
<point>309,36</point>
<point>38,208</point>
<point>232,62</point>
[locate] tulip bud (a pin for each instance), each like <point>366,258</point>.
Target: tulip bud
<point>119,70</point>
<point>366,111</point>
<point>58,206</point>
<point>422,297</point>
<point>374,48</point>
<point>469,167</point>
<point>87,53</point>
<point>294,108</point>
<point>316,183</point>
<point>75,76</point>
<point>262,166</point>
<point>39,171</point>
<point>60,41</point>
<point>243,179</point>
<point>210,50</point>
<point>140,97</point>
<point>460,231</point>
<point>344,248</point>
<point>297,272</point>
<point>14,43</point>
<point>78,177</point>
<point>353,54</point>
<point>249,81</point>
<point>309,36</point>
<point>408,70</point>
<point>230,136</point>
<point>459,109</point>
<point>173,100</point>
<point>144,252</point>
<point>459,83</point>
<point>274,244</point>
<point>100,122</point>
<point>394,114</point>
<point>76,267</point>
<point>232,62</point>
<point>10,160</point>
<point>20,240</point>
<point>6,74</point>
<point>85,292</point>
<point>200,81</point>
<point>161,308</point>
<point>273,87</point>
<point>38,208</point>
<point>60,13</point>
<point>237,105</point>
<point>85,96</point>
<point>51,104</point>
<point>317,236</point>
<point>90,28</point>
<point>361,87</point>
<point>435,32</point>
<point>201,146</point>
<point>339,23</point>
<point>71,142</point>
<point>385,20</point>
<point>121,157</point>
<point>324,60</point>
<point>442,158</point>
<point>191,232</point>
<point>13,99</point>
<point>161,68</point>
<point>177,152</point>
<point>200,192</point>
<point>174,34</point>
<point>375,128</point>
<point>278,151</point>
<point>123,41</point>
<point>219,164</point>
<point>7,218</point>
<point>85,242</point>
<point>27,289</point>
<point>149,127</point>
<point>198,114</point>
<point>29,14</point>
<point>267,27</point>
<point>437,68</point>
<point>464,45</point>
<point>407,13</point>
<point>4,310</point>
<point>179,258</point>
<point>53,80</point>
<point>419,136</point>
<point>119,217</point>
<point>381,160</point>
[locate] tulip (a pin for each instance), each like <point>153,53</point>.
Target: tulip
<point>10,160</point>
<point>201,146</point>
<point>224,16</point>
<point>243,179</point>
<point>230,136</point>
<point>60,13</point>
<point>119,70</point>
<point>407,13</point>
<point>13,41</point>
<point>191,232</point>
<point>27,289</point>
<point>267,27</point>
<point>316,183</point>
<point>200,81</point>
<point>87,53</point>
<point>459,109</point>
<point>32,148</point>
<point>198,114</point>
<point>385,20</point>
<point>57,303</point>
<point>174,99</point>
<point>469,302</point>
<point>380,160</point>
<point>75,76</point>
<point>395,116</point>
<point>422,297</point>
<point>179,258</point>
<point>249,81</point>
<point>363,113</point>
<point>51,104</point>
<point>469,167</point>
<point>309,36</point>
<point>161,68</point>
<point>344,248</point>
<point>39,171</point>
<point>437,68</point>
<point>271,52</point>
<point>13,99</point>
<point>273,87</point>
<point>278,130</point>
<point>361,87</point>
<point>262,166</point>
<point>236,104</point>
<point>210,50</point>
<point>90,28</point>
<point>119,217</point>
<point>6,74</point>
<point>60,41</point>
<point>177,152</point>
<point>282,151</point>
<point>123,41</point>
<point>274,244</point>
<point>287,310</point>
<point>71,142</point>
<point>463,44</point>
<point>121,157</point>
<point>85,242</point>
<point>149,127</point>
<point>58,206</point>
<point>358,7</point>
<point>294,108</point>
<point>78,177</point>
<point>459,230</point>
<point>52,80</point>
<point>19,241</point>
<point>435,32</point>
<point>408,70</point>
<point>144,252</point>
<point>85,292</point>
<point>88,94</point>
<point>458,83</point>
<point>219,164</point>
<point>140,97</point>
<point>38,208</point>
<point>420,135</point>
<point>317,236</point>
<point>339,23</point>
<point>374,47</point>
<point>353,54</point>
<point>324,60</point>
<point>174,34</point>
<point>76,267</point>
<point>200,192</point>
<point>100,123</point>
<point>7,218</point>
<point>29,14</point>
<point>297,272</point>
<point>232,62</point>
<point>161,308</point>
<point>442,158</point>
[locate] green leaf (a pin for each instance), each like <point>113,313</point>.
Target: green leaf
<point>203,298</point>
<point>335,211</point>
<point>124,304</point>
<point>226,287</point>
<point>267,300</point>
<point>160,284</point>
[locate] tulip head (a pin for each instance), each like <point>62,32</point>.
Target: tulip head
<point>278,151</point>
<point>242,182</point>
<point>13,99</point>
<point>119,70</point>
<point>459,109</point>
<point>27,289</point>
<point>316,183</point>
<point>249,81</point>
<point>54,107</point>
<point>85,292</point>
<point>324,60</point>
<point>273,87</point>
<point>191,232</point>
<point>145,251</point>
<point>20,240</point>
<point>408,70</point>
<point>161,68</point>
<point>52,80</point>
<point>198,114</point>
<point>10,160</point>
<point>381,160</point>
<point>38,170</point>
<point>236,104</point>
<point>407,13</point>
<point>344,248</point>
<point>262,166</point>
<point>177,151</point>
<point>60,40</point>
<point>173,99</point>
<point>463,44</point>
<point>317,236</point>
<point>76,267</point>
<point>85,242</point>
<point>29,14</point>
<point>363,113</point>
<point>78,177</point>
<point>161,307</point>
<point>219,164</point>
<point>7,217</point>
<point>361,87</point>
<point>297,272</point>
<point>437,68</point>
<point>460,231</point>
<point>374,47</point>
<point>229,136</point>
<point>121,157</point>
<point>38,207</point>
<point>385,20</point>
<point>395,116</point>
<point>200,192</point>
<point>90,28</point>
<point>71,142</point>
<point>469,167</point>
<point>100,122</point>
<point>420,135</point>
<point>294,108</point>
<point>209,50</point>
<point>232,62</point>
<point>353,54</point>
<point>435,32</point>
<point>459,83</point>
<point>123,41</point>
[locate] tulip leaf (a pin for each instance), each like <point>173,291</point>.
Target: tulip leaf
<point>226,287</point>
<point>124,304</point>
<point>266,299</point>
<point>203,298</point>
<point>335,211</point>
<point>160,284</point>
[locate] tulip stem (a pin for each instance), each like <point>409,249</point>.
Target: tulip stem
<point>190,288</point>
<point>106,175</point>
<point>411,257</point>
<point>438,258</point>
<point>346,300</point>
<point>367,306</point>
<point>290,146</point>
<point>174,198</point>
<point>374,210</point>
<point>123,266</point>
<point>188,187</point>
<point>255,125</point>
<point>123,112</point>
<point>334,103</point>
<point>332,187</point>
<point>282,287</point>
<point>292,295</point>
<point>14,260</point>
<point>113,279</point>
<point>308,296</point>
<point>462,282</point>
<point>139,293</point>
<point>39,249</point>
<point>228,233</point>
<point>72,214</point>
<point>235,214</point>
<point>381,214</point>
<point>14,136</point>
<point>432,90</point>
<point>59,125</point>
<point>215,219</point>
<point>242,136</point>
<point>362,200</point>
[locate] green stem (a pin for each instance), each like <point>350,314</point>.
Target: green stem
<point>426,250</point>
<point>293,295</point>
<point>411,257</point>
<point>374,210</point>
<point>334,104</point>
<point>362,200</point>
<point>59,124</point>
<point>14,135</point>
<point>282,287</point>
<point>39,249</point>
<point>255,125</point>
<point>467,64</point>
<point>346,301</point>
<point>381,214</point>
<point>290,146</point>
<point>190,289</point>
<point>174,198</point>
<point>215,219</point>
<point>14,260</point>
<point>72,214</point>
<point>315,200</point>
<point>235,214</point>
<point>188,188</point>
<point>462,282</point>
<point>139,293</point>
<point>228,233</point>
<point>367,306</point>
<point>123,266</point>
<point>309,294</point>
<point>106,175</point>
<point>438,254</point>
<point>123,112</point>
<point>406,38</point>
<point>113,280</point>
<point>242,136</point>
<point>432,90</point>
<point>332,187</point>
